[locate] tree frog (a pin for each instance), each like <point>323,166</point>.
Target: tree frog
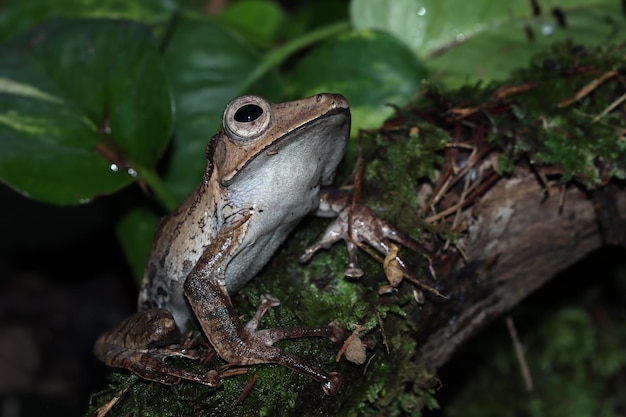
<point>266,170</point>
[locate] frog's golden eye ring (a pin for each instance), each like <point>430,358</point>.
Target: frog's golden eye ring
<point>246,118</point>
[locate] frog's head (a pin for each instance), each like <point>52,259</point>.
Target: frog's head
<point>287,145</point>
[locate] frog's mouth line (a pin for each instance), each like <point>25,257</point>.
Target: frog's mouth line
<point>274,147</point>
<point>330,113</point>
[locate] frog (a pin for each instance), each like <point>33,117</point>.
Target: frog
<point>268,167</point>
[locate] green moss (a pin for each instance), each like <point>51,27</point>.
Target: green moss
<point>398,161</point>
<point>413,153</point>
<point>575,137</point>
<point>527,127</point>
<point>572,360</point>
<point>535,117</point>
<point>505,165</point>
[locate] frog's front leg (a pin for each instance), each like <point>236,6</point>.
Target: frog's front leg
<point>245,345</point>
<point>140,344</point>
<point>354,223</point>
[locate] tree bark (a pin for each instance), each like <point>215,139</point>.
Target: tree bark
<point>520,235</point>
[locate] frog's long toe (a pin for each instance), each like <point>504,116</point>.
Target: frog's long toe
<point>331,387</point>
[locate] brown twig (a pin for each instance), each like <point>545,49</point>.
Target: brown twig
<point>521,359</point>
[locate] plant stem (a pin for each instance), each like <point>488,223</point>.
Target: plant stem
<point>277,56</point>
<point>150,177</point>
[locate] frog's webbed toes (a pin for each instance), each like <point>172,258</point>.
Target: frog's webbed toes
<point>147,369</point>
<point>332,384</point>
<point>267,301</point>
<point>355,225</point>
<point>333,234</point>
<point>268,337</point>
<point>256,346</point>
<point>336,231</point>
<point>150,364</point>
<point>332,331</point>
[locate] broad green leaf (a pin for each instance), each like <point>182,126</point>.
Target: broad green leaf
<point>19,15</point>
<point>208,66</point>
<point>371,68</point>
<point>484,39</point>
<point>430,25</point>
<point>78,98</point>
<point>260,20</point>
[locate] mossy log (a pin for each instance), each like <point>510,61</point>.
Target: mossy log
<point>504,186</point>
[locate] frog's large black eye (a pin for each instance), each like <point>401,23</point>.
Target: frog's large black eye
<point>248,113</point>
<point>246,118</point>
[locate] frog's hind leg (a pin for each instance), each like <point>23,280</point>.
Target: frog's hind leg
<point>330,381</point>
<point>243,345</point>
<point>142,343</point>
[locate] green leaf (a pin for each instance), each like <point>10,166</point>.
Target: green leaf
<point>19,15</point>
<point>208,67</point>
<point>371,68</point>
<point>484,39</point>
<point>260,20</point>
<point>83,104</point>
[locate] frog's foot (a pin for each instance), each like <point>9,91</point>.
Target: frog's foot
<point>242,344</point>
<point>259,347</point>
<point>355,224</point>
<point>150,364</point>
<point>139,345</point>
<point>332,331</point>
